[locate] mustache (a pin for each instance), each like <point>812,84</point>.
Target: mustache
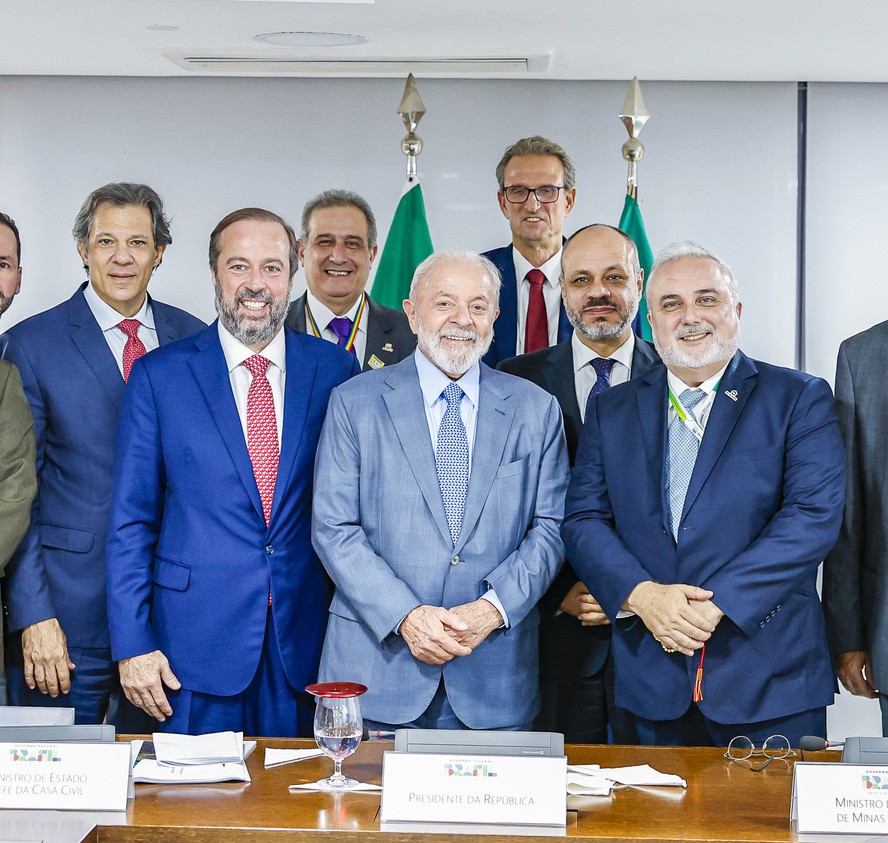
<point>603,301</point>
<point>457,334</point>
<point>696,328</point>
<point>259,295</point>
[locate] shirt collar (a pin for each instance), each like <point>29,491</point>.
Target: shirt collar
<point>432,381</point>
<point>677,385</point>
<point>108,317</point>
<point>323,315</point>
<point>551,268</point>
<point>236,352</point>
<point>583,355</point>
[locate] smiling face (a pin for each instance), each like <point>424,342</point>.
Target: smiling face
<point>120,255</point>
<point>336,256</point>
<point>601,286</point>
<point>537,227</point>
<point>10,271</point>
<point>694,318</point>
<point>252,280</point>
<point>452,315</point>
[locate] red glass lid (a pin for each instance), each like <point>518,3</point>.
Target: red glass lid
<point>336,689</point>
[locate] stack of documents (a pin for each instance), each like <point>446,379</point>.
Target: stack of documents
<point>593,780</point>
<point>192,759</point>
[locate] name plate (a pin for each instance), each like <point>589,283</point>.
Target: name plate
<point>495,789</point>
<point>64,776</point>
<point>844,798</point>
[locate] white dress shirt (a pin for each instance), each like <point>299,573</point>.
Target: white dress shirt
<point>108,319</point>
<point>235,353</point>
<point>551,294</point>
<point>701,412</point>
<point>584,374</point>
<point>323,316</point>
<point>432,382</point>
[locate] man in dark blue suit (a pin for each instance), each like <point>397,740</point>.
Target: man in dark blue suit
<point>537,190</point>
<point>704,496</point>
<point>214,591</point>
<point>601,285</point>
<point>74,362</point>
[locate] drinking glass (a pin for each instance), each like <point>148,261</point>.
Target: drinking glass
<point>337,726</point>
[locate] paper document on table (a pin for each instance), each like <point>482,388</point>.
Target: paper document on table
<point>276,757</point>
<point>583,784</point>
<point>147,769</point>
<point>641,774</point>
<point>213,748</point>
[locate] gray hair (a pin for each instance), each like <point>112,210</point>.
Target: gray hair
<point>634,260</point>
<point>340,199</point>
<point>689,249</point>
<point>120,194</point>
<point>422,275</point>
<point>537,145</point>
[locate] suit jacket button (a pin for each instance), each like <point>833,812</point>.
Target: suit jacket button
<point>455,561</point>
<point>762,624</point>
<point>269,549</point>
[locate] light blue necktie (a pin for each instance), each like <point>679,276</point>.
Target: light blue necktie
<point>680,457</point>
<point>452,460</point>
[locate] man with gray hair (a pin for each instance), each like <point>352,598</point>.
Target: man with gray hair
<point>74,360</point>
<point>439,489</point>
<point>537,190</point>
<point>337,250</point>
<point>703,498</point>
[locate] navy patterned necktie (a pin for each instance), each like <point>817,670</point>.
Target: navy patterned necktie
<point>680,458</point>
<point>452,460</point>
<point>603,367</point>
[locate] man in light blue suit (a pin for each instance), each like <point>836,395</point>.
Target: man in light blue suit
<point>216,600</point>
<point>704,496</point>
<point>74,360</point>
<point>439,490</point>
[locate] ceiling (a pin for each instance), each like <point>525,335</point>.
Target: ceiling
<point>731,40</point>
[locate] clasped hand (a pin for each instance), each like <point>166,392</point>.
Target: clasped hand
<point>436,635</point>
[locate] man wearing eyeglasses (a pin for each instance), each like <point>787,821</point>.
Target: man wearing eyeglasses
<point>537,191</point>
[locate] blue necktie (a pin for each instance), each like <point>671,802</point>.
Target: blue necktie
<point>452,460</point>
<point>603,367</point>
<point>680,458</point>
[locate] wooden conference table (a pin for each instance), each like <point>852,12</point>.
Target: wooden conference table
<point>723,802</point>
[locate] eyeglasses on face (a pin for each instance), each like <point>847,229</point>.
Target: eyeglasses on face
<point>741,749</point>
<point>545,193</point>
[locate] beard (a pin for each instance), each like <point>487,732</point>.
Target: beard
<point>250,331</point>
<point>456,361</point>
<point>601,329</point>
<point>720,351</point>
<point>5,301</point>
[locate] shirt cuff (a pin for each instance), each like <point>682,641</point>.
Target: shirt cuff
<point>490,597</point>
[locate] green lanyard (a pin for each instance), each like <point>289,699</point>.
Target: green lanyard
<point>690,422</point>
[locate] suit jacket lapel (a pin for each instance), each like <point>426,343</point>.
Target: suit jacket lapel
<point>404,403</point>
<point>296,314</point>
<point>165,331</point>
<point>211,373</point>
<point>87,336</point>
<point>492,427</point>
<point>651,399</point>
<point>379,332</point>
<point>297,395</point>
<point>738,380</point>
<point>507,322</point>
<point>560,381</point>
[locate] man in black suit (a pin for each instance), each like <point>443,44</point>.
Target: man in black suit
<point>337,249</point>
<point>601,285</point>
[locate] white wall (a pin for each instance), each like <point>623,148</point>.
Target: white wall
<point>720,168</point>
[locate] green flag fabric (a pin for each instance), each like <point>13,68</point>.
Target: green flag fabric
<point>632,224</point>
<point>408,244</point>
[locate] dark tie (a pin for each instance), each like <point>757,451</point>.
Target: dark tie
<point>262,439</point>
<point>680,458</point>
<point>603,367</point>
<point>134,347</point>
<point>536,330</point>
<point>342,327</point>
<point>452,460</point>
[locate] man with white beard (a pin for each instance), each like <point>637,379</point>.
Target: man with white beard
<point>439,490</point>
<point>704,496</point>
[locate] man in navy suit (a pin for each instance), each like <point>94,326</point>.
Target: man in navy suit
<point>74,360</point>
<point>601,284</point>
<point>537,190</point>
<point>337,249</point>
<point>216,601</point>
<point>704,496</point>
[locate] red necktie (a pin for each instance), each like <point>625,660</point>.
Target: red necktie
<point>262,439</point>
<point>536,331</point>
<point>134,347</point>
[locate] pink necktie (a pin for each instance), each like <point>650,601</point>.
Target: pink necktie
<point>536,331</point>
<point>262,439</point>
<point>134,347</point>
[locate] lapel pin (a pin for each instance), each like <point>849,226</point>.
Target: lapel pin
<point>731,393</point>
<point>374,362</point>
<point>387,347</point>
